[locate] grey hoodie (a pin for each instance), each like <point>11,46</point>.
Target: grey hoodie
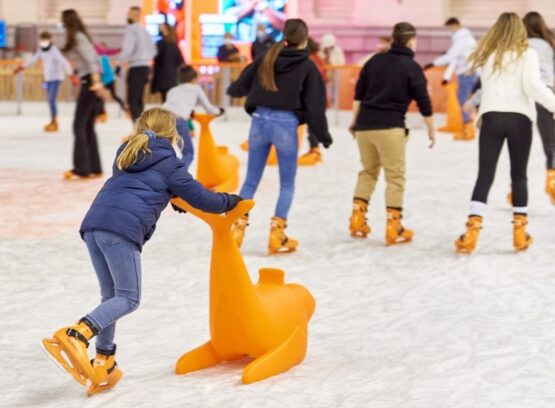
<point>545,52</point>
<point>137,49</point>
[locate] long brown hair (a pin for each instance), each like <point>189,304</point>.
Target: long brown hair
<point>157,120</point>
<point>73,24</point>
<point>536,28</point>
<point>171,36</point>
<point>295,33</point>
<point>508,34</point>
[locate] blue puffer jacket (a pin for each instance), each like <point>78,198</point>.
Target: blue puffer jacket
<point>130,202</point>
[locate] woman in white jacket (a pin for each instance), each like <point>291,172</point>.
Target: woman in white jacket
<point>511,84</point>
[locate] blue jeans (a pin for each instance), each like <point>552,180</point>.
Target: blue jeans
<point>52,88</point>
<point>188,150</point>
<point>466,83</point>
<point>279,128</point>
<point>117,263</point>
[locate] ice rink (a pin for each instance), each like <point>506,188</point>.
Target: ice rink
<point>412,326</point>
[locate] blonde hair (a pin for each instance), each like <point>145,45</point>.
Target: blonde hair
<point>157,120</point>
<point>508,34</point>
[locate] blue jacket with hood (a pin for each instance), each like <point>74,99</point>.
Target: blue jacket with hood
<point>130,202</point>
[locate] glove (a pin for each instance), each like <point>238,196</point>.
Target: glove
<point>444,82</point>
<point>234,199</point>
<point>178,209</point>
<point>75,80</point>
<point>118,71</point>
<point>327,143</point>
<point>222,111</point>
<point>428,66</point>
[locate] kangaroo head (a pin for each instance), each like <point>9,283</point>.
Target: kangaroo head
<point>216,220</point>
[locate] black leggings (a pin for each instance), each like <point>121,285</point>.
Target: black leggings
<point>496,127</point>
<point>546,126</point>
<point>137,78</point>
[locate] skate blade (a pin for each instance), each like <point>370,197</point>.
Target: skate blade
<point>106,385</point>
<point>281,251</point>
<point>63,362</point>
<point>398,242</point>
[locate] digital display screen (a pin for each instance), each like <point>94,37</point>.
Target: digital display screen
<point>242,18</point>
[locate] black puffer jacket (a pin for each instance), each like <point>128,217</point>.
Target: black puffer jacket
<point>300,89</point>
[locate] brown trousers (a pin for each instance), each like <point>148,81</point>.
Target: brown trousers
<point>382,149</point>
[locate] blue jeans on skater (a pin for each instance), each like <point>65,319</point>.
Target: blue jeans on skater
<point>279,128</point>
<point>188,150</point>
<point>52,88</point>
<point>466,83</point>
<point>117,263</point>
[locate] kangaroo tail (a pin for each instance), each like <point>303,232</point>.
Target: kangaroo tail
<point>216,220</point>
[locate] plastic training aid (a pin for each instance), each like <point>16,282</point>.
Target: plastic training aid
<point>272,157</point>
<point>268,321</point>
<point>217,170</point>
<point>454,115</point>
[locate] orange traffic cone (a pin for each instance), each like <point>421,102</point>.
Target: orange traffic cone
<point>454,115</point>
<point>268,321</point>
<point>217,169</point>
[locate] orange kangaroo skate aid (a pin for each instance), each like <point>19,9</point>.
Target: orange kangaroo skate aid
<point>217,170</point>
<point>454,116</point>
<point>268,321</point>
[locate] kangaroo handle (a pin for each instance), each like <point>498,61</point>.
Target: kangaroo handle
<point>203,118</point>
<point>216,219</point>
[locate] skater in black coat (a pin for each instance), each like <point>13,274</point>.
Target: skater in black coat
<point>168,60</point>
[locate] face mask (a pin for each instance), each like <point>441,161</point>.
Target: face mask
<point>129,21</point>
<point>44,44</point>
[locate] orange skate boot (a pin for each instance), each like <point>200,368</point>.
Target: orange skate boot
<point>238,229</point>
<point>52,126</point>
<point>313,156</point>
<point>467,241</point>
<point>279,242</point>
<point>521,239</point>
<point>550,185</point>
<point>395,233</point>
<point>107,372</point>
<point>68,348</point>
<point>357,223</point>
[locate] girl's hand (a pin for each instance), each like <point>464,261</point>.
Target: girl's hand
<point>352,130</point>
<point>468,107</point>
<point>75,80</point>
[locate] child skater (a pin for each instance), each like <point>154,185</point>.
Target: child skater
<point>108,79</point>
<point>146,173</point>
<point>388,82</point>
<point>55,67</point>
<point>511,83</point>
<point>181,101</point>
<point>283,88</point>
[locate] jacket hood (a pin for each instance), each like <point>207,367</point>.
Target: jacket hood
<point>160,149</point>
<point>289,58</point>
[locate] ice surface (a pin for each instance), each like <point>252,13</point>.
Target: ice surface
<point>409,326</point>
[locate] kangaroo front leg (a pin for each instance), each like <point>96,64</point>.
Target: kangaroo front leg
<point>202,357</point>
<point>279,359</point>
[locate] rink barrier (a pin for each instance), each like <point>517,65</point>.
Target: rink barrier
<point>214,78</point>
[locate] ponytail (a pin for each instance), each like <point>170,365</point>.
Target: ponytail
<point>266,71</point>
<point>130,153</point>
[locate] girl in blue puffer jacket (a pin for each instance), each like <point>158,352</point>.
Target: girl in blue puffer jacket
<point>146,174</point>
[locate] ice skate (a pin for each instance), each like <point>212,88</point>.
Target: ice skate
<point>238,229</point>
<point>107,372</point>
<point>469,131</point>
<point>52,126</point>
<point>521,239</point>
<point>313,156</point>
<point>70,175</point>
<point>550,185</point>
<point>395,233</point>
<point>467,241</point>
<point>358,226</point>
<point>459,136</point>
<point>68,348</point>
<point>279,242</point>
<point>102,118</point>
